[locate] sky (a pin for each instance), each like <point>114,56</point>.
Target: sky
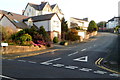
<point>97,10</point>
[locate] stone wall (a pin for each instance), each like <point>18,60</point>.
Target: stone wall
<point>19,49</point>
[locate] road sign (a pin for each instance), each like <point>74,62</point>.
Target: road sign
<point>83,59</point>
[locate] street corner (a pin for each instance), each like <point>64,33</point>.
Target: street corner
<point>101,63</point>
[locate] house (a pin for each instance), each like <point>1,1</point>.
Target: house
<point>112,23</point>
<point>41,9</point>
<point>51,23</point>
<point>81,23</point>
<point>12,20</point>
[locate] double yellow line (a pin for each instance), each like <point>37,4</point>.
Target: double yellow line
<point>98,62</point>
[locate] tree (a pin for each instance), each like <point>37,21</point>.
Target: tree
<point>101,24</point>
<point>64,28</point>
<point>55,40</point>
<point>44,34</point>
<point>5,33</point>
<point>92,26</point>
<point>25,39</point>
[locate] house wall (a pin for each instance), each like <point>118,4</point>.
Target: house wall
<point>7,23</point>
<point>1,16</point>
<point>112,24</point>
<point>47,9</point>
<point>80,23</point>
<point>46,24</point>
<point>30,11</point>
<point>56,26</point>
<point>53,26</point>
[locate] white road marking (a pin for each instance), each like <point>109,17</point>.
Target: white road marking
<point>73,53</point>
<point>83,49</point>
<point>116,75</point>
<point>83,59</point>
<point>22,60</point>
<point>100,72</point>
<point>52,60</point>
<point>71,67</point>
<point>31,62</point>
<point>45,63</point>
<point>7,77</point>
<point>58,65</point>
<point>85,69</point>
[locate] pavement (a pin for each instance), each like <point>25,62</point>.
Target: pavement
<point>81,61</point>
<point>112,61</point>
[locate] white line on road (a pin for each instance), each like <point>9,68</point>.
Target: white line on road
<point>83,49</point>
<point>73,53</point>
<point>85,69</point>
<point>22,60</point>
<point>7,77</point>
<point>58,65</point>
<point>83,59</point>
<point>100,72</point>
<point>31,62</point>
<point>116,75</point>
<point>45,63</point>
<point>71,67</point>
<point>52,60</point>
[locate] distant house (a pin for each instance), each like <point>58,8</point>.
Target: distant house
<point>112,23</point>
<point>51,23</point>
<point>12,20</point>
<point>41,9</point>
<point>81,23</point>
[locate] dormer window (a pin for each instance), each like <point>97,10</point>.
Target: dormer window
<point>30,22</point>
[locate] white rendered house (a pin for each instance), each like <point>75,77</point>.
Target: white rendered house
<point>51,23</point>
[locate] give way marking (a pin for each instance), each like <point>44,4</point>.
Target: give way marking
<point>83,59</point>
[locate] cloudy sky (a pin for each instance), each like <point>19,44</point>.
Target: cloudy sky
<point>98,10</point>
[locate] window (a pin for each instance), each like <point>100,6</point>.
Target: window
<point>29,10</point>
<point>56,23</point>
<point>30,22</point>
<point>27,14</point>
<point>16,21</point>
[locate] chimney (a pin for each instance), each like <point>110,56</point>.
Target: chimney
<point>23,11</point>
<point>43,2</point>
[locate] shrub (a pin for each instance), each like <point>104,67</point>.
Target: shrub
<point>92,26</point>
<point>6,32</point>
<point>55,40</point>
<point>63,42</point>
<point>72,36</point>
<point>25,39</point>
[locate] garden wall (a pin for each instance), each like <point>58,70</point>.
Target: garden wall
<point>20,49</point>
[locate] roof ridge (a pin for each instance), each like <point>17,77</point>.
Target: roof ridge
<point>33,3</point>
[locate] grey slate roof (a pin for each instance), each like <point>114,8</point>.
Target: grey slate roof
<point>52,6</point>
<point>41,17</point>
<point>38,7</point>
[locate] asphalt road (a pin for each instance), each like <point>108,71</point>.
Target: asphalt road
<point>74,61</point>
